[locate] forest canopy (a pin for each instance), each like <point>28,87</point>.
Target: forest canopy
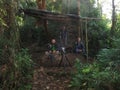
<point>27,27</point>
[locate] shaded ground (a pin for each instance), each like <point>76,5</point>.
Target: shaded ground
<point>48,76</point>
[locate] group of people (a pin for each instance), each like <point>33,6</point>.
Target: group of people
<point>54,48</point>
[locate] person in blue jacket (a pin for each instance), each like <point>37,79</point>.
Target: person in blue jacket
<point>79,46</point>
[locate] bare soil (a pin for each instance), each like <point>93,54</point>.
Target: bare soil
<point>51,76</point>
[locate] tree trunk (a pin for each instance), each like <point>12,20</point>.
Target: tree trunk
<point>113,19</point>
<point>42,5</point>
<point>11,31</point>
<point>78,3</point>
<point>11,35</point>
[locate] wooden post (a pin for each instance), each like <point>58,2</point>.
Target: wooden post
<point>81,29</point>
<point>86,39</point>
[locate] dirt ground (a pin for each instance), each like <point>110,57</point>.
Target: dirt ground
<point>51,76</point>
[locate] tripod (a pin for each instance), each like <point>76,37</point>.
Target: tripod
<point>64,58</point>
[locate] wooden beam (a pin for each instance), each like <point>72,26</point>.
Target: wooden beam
<point>55,16</point>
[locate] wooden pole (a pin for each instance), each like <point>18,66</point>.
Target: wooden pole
<point>86,40</point>
<point>81,29</point>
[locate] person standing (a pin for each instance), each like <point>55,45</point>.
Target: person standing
<point>63,36</point>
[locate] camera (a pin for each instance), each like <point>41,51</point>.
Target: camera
<point>63,49</point>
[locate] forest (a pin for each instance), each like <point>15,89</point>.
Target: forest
<point>59,45</point>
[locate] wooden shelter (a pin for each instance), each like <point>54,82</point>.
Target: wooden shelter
<point>47,15</point>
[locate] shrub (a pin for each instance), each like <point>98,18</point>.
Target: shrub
<point>18,74</point>
<point>103,74</point>
<point>94,76</point>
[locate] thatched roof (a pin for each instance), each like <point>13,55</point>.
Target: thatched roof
<point>44,14</point>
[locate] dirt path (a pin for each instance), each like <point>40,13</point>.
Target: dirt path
<point>51,77</point>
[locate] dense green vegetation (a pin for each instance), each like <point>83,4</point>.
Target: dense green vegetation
<point>15,63</point>
<point>18,30</point>
<point>103,74</point>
